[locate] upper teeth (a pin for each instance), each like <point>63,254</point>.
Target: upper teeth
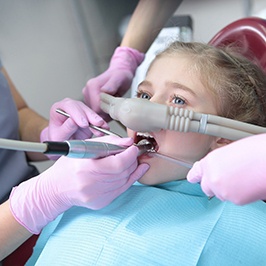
<point>146,135</point>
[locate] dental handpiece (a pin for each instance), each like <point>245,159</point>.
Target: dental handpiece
<point>72,148</point>
<point>90,149</point>
<point>145,116</point>
<point>83,149</point>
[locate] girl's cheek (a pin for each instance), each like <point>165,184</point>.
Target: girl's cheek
<point>130,133</point>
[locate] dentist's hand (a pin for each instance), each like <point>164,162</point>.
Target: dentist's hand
<point>116,80</point>
<point>236,172</point>
<point>75,182</point>
<point>76,127</point>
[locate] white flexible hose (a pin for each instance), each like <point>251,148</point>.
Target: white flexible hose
<point>22,145</point>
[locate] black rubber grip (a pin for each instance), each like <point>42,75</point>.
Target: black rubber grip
<point>57,148</point>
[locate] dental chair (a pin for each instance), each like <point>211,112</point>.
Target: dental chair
<point>20,256</point>
<point>249,34</point>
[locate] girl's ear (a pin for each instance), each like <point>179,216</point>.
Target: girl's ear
<point>220,142</point>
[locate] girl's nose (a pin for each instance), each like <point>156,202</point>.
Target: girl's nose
<point>158,98</point>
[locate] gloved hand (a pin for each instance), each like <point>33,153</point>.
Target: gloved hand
<point>116,80</point>
<point>71,182</point>
<point>236,172</point>
<point>76,127</point>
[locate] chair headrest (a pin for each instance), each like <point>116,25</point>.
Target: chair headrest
<point>249,34</point>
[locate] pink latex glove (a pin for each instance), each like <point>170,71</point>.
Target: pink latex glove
<point>76,127</point>
<point>236,172</point>
<point>116,80</point>
<point>71,182</point>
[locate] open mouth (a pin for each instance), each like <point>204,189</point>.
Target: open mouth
<point>140,137</point>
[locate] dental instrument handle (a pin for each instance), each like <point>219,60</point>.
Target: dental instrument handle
<point>90,149</point>
<point>83,149</point>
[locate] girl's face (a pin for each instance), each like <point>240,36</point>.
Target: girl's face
<point>171,81</point>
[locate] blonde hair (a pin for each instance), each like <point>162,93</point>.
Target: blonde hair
<point>238,84</point>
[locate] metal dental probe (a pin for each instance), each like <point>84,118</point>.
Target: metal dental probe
<point>105,131</point>
<point>167,158</point>
<point>148,147</point>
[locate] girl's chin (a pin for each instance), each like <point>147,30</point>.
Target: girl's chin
<point>151,182</point>
<point>161,171</point>
<point>147,181</point>
<point>151,177</point>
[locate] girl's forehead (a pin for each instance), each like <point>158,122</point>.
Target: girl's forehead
<point>186,66</point>
<point>171,63</point>
<point>179,69</point>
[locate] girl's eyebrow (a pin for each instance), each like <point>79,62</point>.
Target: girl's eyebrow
<point>177,85</point>
<point>145,83</point>
<point>170,84</point>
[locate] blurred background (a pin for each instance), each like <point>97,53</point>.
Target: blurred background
<point>52,47</point>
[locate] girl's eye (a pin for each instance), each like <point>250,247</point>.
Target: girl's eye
<point>178,100</point>
<point>143,95</point>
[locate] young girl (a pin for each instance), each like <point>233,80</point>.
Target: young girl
<point>173,222</point>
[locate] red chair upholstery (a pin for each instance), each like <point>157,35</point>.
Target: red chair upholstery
<point>249,34</point>
<point>20,256</point>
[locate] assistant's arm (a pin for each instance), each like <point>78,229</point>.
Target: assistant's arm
<point>146,22</point>
<point>235,172</point>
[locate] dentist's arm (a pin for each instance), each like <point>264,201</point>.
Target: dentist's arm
<point>30,122</point>
<point>146,22</point>
<point>236,172</point>
<point>69,182</point>
<point>33,127</point>
<point>13,234</point>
